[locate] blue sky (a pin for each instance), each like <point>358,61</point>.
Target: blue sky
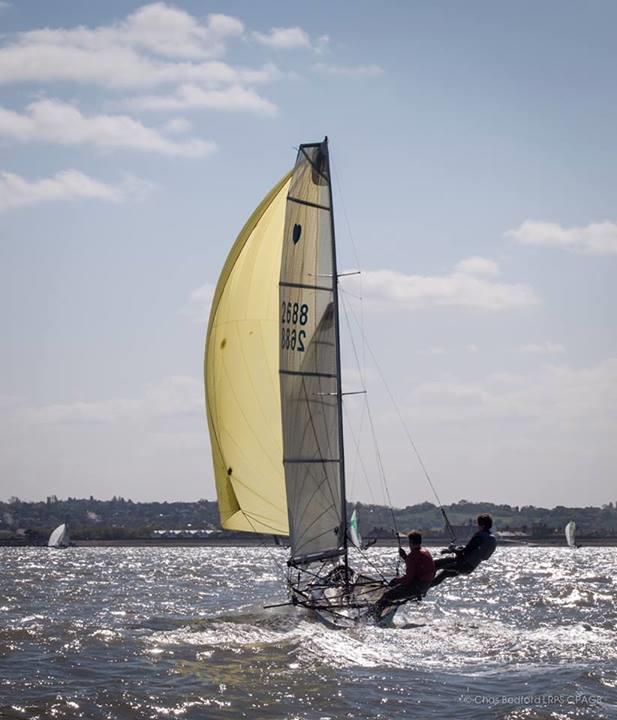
<point>474,155</point>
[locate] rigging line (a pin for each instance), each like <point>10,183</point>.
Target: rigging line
<point>362,382</point>
<point>355,253</point>
<point>357,461</point>
<point>340,192</point>
<point>261,519</point>
<point>370,562</point>
<point>409,437</point>
<point>358,456</point>
<point>372,426</point>
<point>304,570</point>
<point>366,345</point>
<point>267,548</point>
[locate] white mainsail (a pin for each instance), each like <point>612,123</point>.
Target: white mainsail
<point>310,364</point>
<point>59,537</point>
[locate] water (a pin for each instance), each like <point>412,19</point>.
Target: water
<point>181,633</point>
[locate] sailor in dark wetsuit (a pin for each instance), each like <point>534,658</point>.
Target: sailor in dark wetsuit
<point>419,572</point>
<point>466,559</point>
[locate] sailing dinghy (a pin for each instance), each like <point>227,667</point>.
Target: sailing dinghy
<point>59,538</point>
<point>273,391</point>
<point>570,533</point>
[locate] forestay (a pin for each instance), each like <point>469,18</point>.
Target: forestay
<point>309,364</point>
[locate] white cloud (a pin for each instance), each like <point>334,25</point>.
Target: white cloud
<point>361,71</point>
<point>158,28</point>
<point>157,45</point>
<point>546,348</point>
<point>178,125</point>
<point>545,436</point>
<point>115,67</point>
<point>322,43</point>
<point>477,266</point>
<point>58,122</point>
<point>190,96</point>
<point>119,68</point>
<point>175,396</point>
<point>284,38</point>
<point>4,5</point>
<point>594,239</point>
<point>555,396</point>
<point>16,191</point>
<point>450,394</point>
<point>199,304</point>
<point>387,288</point>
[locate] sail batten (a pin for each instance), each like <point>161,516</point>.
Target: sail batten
<point>309,204</point>
<point>305,286</point>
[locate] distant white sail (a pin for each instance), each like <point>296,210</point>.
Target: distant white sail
<point>354,529</point>
<point>59,537</point>
<point>570,531</point>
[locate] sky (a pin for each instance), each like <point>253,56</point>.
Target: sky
<point>475,167</point>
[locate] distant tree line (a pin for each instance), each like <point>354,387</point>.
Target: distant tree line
<point>120,519</point>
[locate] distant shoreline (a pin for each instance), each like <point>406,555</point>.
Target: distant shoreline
<point>252,542</point>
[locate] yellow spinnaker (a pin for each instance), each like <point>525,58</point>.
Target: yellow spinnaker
<point>242,376</point>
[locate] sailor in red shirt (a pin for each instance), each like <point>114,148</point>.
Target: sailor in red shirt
<point>420,571</point>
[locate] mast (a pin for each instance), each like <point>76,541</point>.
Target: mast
<point>339,385</point>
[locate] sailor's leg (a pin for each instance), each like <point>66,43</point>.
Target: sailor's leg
<point>398,592</point>
<point>403,592</point>
<point>446,562</point>
<point>440,577</point>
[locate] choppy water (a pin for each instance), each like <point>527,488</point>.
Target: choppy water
<point>181,633</point>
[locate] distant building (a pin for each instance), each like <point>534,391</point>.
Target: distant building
<point>184,533</point>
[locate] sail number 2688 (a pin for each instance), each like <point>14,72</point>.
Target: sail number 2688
<point>293,314</point>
